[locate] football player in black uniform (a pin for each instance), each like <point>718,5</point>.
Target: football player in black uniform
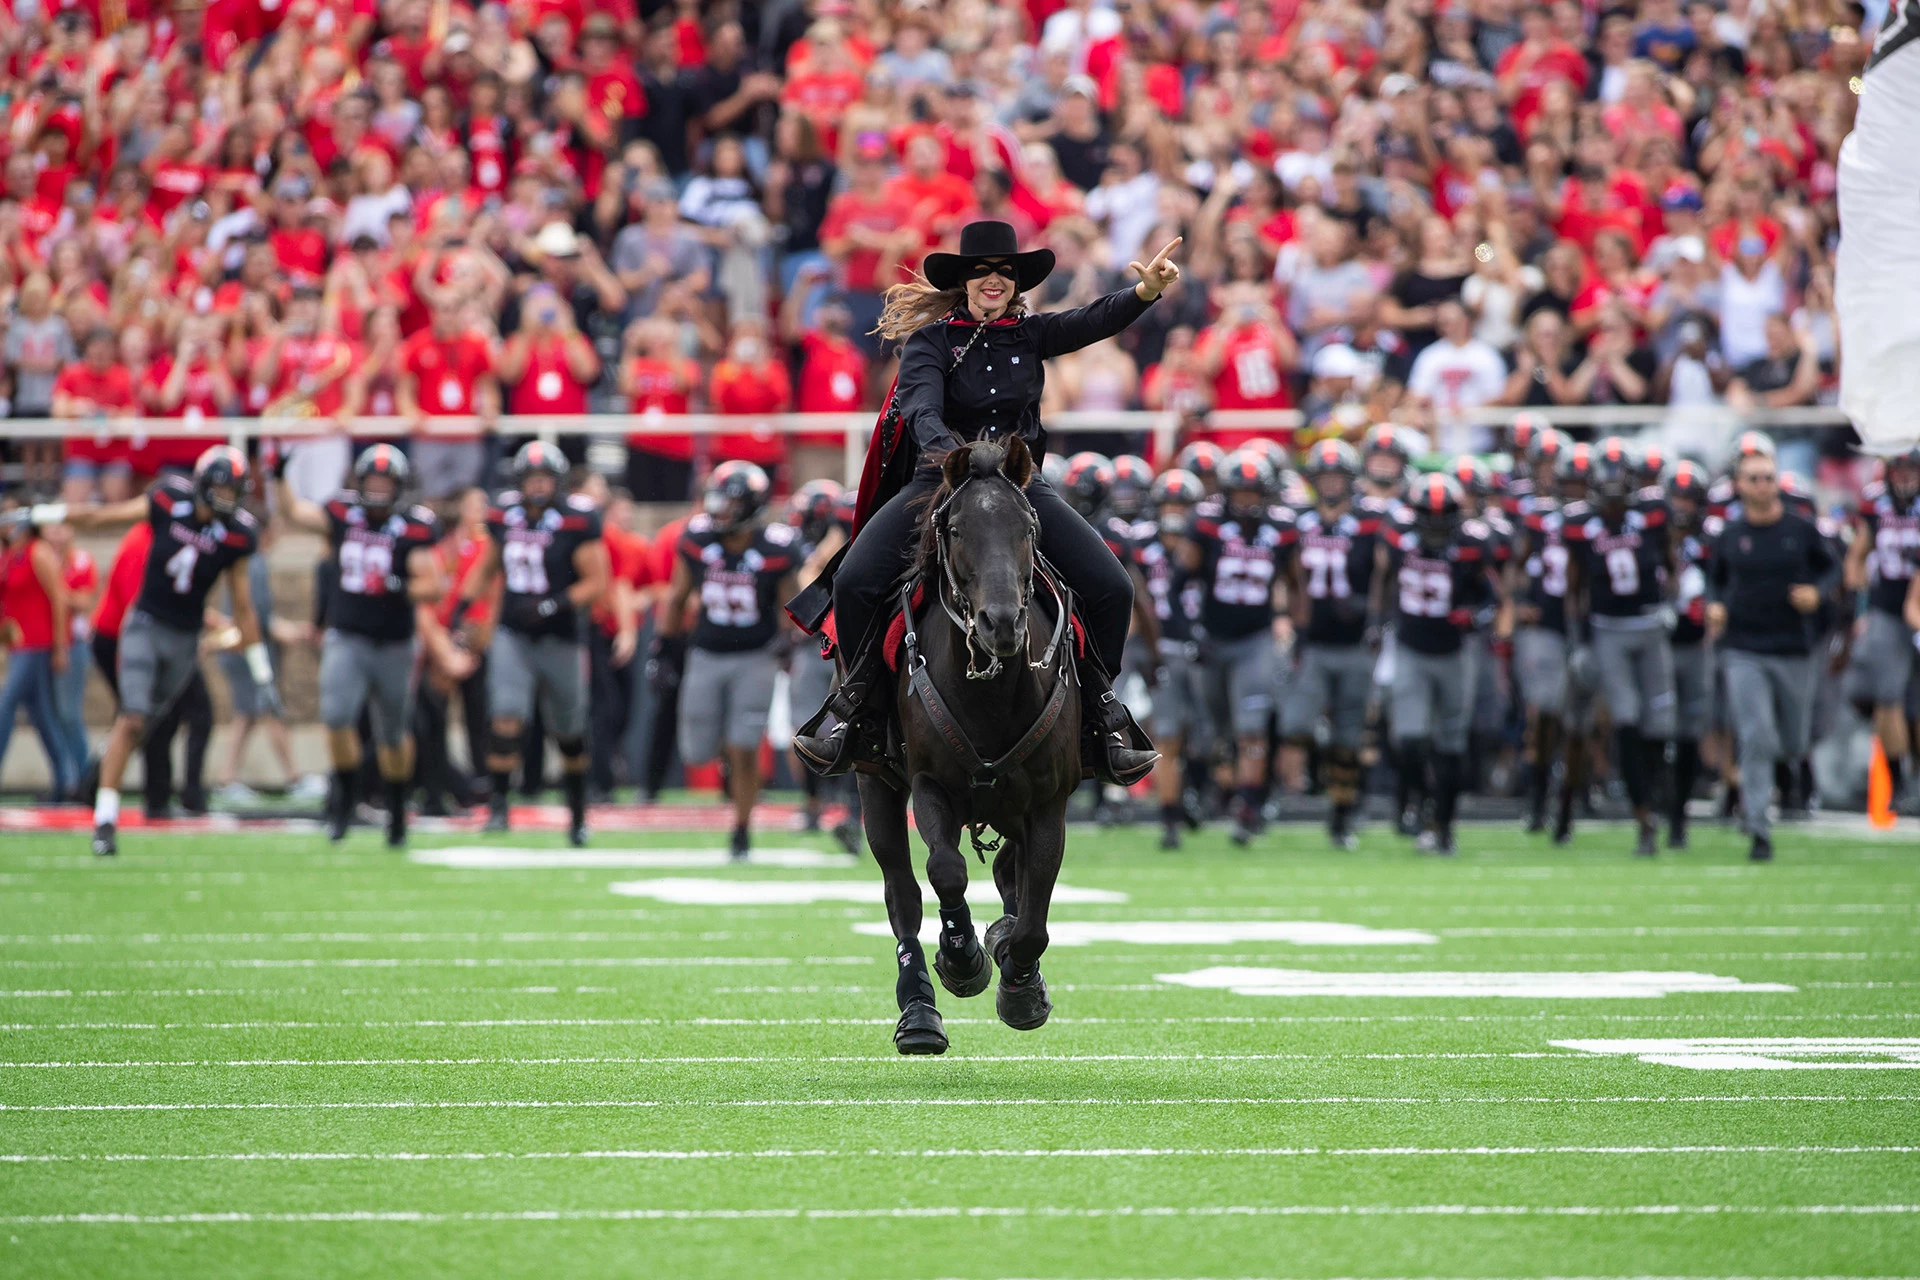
<point>546,565</point>
<point>1693,532</point>
<point>1240,544</point>
<point>740,568</point>
<point>1486,652</point>
<point>383,552</point>
<point>200,535</point>
<point>1385,452</point>
<point>1620,564</point>
<point>1886,539</point>
<point>1202,460</point>
<point>1335,584</point>
<point>1443,579</point>
<point>1178,699</point>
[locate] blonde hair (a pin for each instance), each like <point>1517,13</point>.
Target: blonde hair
<point>914,304</point>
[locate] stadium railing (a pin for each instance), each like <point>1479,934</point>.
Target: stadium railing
<point>1706,424</point>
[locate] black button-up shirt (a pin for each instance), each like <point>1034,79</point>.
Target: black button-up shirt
<point>996,388</point>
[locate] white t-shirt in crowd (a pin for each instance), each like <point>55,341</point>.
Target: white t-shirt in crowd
<point>1744,307</point>
<point>1454,380</point>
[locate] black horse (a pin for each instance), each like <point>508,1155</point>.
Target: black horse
<point>989,721</point>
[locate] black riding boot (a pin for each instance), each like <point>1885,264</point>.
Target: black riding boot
<point>1112,745</point>
<point>834,753</point>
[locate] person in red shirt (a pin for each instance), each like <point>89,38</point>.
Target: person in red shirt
<point>191,385</point>
<point>303,370</point>
<point>612,641</point>
<point>826,86</point>
<point>96,388</point>
<point>750,380</point>
<point>833,379</point>
<point>612,88</point>
<point>935,201</point>
<point>80,575</point>
<point>176,174</point>
<point>866,235</point>
<point>1248,354</point>
<point>447,371</point>
<point>657,380</point>
<point>299,236</point>
<point>455,663</point>
<point>1176,384</point>
<point>548,362</point>
<point>33,620</point>
<point>1539,58</point>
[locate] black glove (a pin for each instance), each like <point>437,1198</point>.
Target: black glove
<point>527,613</point>
<point>666,663</point>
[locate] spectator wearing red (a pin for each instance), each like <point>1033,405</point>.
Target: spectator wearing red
<point>827,85</point>
<point>33,616</point>
<point>866,234</point>
<point>548,363</point>
<point>1540,58</point>
<point>1248,353</point>
<point>615,635</point>
<point>1177,384</point>
<point>936,202</point>
<point>191,384</point>
<point>613,89</point>
<point>833,379</point>
<point>750,381</point>
<point>80,576</point>
<point>307,370</point>
<point>96,388</point>
<point>657,380</point>
<point>447,371</point>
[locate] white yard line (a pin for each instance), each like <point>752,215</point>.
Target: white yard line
<point>238,939</point>
<point>983,1153</point>
<point>425,1217</point>
<point>445,962</point>
<point>512,1104</point>
<point>1058,1020</point>
<point>873,1058</point>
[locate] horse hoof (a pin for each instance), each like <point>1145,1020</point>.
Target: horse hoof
<point>999,935</point>
<point>964,973</point>
<point>920,1030</point>
<point>1023,1006</point>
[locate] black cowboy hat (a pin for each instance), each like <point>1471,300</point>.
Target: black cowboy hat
<point>980,241</point>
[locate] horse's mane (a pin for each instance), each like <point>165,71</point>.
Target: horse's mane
<point>984,460</point>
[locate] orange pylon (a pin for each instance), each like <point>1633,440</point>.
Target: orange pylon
<point>1879,789</point>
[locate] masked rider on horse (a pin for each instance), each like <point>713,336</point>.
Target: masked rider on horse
<point>971,368</point>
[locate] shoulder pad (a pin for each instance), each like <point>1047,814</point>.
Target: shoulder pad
<point>780,535</point>
<point>508,498</point>
<point>422,515</point>
<point>1475,527</point>
<point>581,502</point>
<point>1872,491</point>
<point>1713,526</point>
<point>699,525</point>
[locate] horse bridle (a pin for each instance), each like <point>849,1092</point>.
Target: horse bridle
<point>954,600</point>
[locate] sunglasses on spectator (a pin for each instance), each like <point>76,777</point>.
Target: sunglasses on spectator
<point>981,270</point>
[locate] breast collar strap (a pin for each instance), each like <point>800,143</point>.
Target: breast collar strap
<point>984,774</point>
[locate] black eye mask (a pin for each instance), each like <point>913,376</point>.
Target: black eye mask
<point>981,270</point>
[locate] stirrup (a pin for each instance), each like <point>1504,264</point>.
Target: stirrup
<point>830,754</point>
<point>1121,752</point>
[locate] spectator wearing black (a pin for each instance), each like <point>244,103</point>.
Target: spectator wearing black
<point>1788,375</point>
<point>799,184</point>
<point>1764,575</point>
<point>1079,138</point>
<point>1439,271</point>
<point>730,94</point>
<point>672,93</point>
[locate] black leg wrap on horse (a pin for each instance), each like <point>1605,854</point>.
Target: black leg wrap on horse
<point>959,961</point>
<point>912,983</point>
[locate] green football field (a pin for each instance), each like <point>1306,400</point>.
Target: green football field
<point>256,1054</point>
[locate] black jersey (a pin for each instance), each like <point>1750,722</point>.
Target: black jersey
<point>371,559</point>
<point>1239,560</point>
<point>1336,557</point>
<point>739,590</point>
<point>1121,535</point>
<point>1624,568</point>
<point>1690,594</point>
<point>1543,554</point>
<point>1437,593</point>
<point>188,557</point>
<point>1753,570</point>
<point>1175,591</point>
<point>1894,534</point>
<point>536,558</point>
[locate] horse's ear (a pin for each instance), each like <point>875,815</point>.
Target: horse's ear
<point>1018,464</point>
<point>954,465</point>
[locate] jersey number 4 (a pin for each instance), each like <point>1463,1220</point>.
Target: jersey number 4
<point>526,568</point>
<point>180,568</point>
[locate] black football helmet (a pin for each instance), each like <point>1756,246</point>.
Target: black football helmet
<point>220,471</point>
<point>1088,481</point>
<point>376,462</point>
<point>1903,475</point>
<point>813,508</point>
<point>1436,502</point>
<point>538,458</point>
<point>1132,482</point>
<point>1202,459</point>
<point>1246,472</point>
<point>736,494</point>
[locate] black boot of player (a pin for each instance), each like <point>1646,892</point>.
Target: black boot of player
<point>340,804</point>
<point>497,805</point>
<point>396,814</point>
<point>575,786</point>
<point>1686,771</point>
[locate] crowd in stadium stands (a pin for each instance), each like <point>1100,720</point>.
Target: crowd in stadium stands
<point>1398,212</point>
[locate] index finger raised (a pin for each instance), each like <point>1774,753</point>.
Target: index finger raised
<point>1171,246</point>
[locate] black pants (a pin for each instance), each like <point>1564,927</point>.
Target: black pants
<point>864,585</point>
<point>193,708</point>
<point>611,692</point>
